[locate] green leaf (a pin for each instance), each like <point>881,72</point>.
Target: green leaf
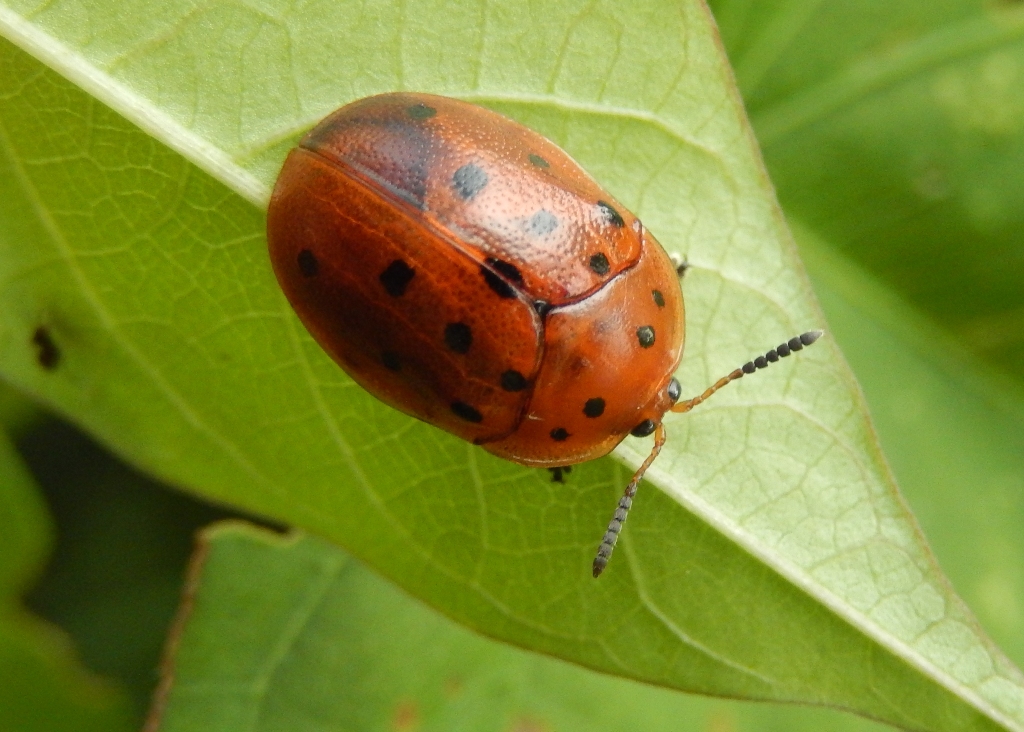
<point>898,136</point>
<point>778,563</point>
<point>289,633</point>
<point>114,579</point>
<point>42,687</point>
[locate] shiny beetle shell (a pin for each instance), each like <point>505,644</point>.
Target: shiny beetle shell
<point>466,271</point>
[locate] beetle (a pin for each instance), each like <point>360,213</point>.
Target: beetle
<point>465,270</point>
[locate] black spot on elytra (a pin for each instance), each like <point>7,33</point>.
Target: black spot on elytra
<point>539,161</point>
<point>645,336</point>
<point>420,111</point>
<point>599,263</point>
<point>542,223</point>
<point>674,390</point>
<point>391,361</point>
<point>47,353</point>
<point>659,299</point>
<point>469,180</point>
<point>466,412</point>
<point>594,407</point>
<point>458,337</point>
<point>560,434</point>
<point>643,429</point>
<point>509,270</point>
<point>512,380</point>
<point>610,214</point>
<point>501,288</point>
<point>308,265</point>
<point>397,277</point>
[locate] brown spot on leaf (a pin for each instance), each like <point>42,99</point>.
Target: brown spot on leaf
<point>47,353</point>
<point>453,686</point>
<point>529,724</point>
<point>407,716</point>
<point>721,721</point>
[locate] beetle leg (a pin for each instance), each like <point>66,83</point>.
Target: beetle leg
<point>680,263</point>
<point>558,474</point>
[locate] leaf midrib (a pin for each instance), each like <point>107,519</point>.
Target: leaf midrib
<point>138,110</point>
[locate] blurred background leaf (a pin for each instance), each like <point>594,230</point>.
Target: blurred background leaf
<point>42,684</point>
<point>896,133</point>
<point>328,645</point>
<point>115,577</point>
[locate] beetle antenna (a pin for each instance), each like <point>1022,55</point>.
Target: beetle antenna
<point>604,552</point>
<point>611,536</point>
<point>780,351</point>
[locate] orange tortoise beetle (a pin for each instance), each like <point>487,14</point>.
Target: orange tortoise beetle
<point>465,270</point>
